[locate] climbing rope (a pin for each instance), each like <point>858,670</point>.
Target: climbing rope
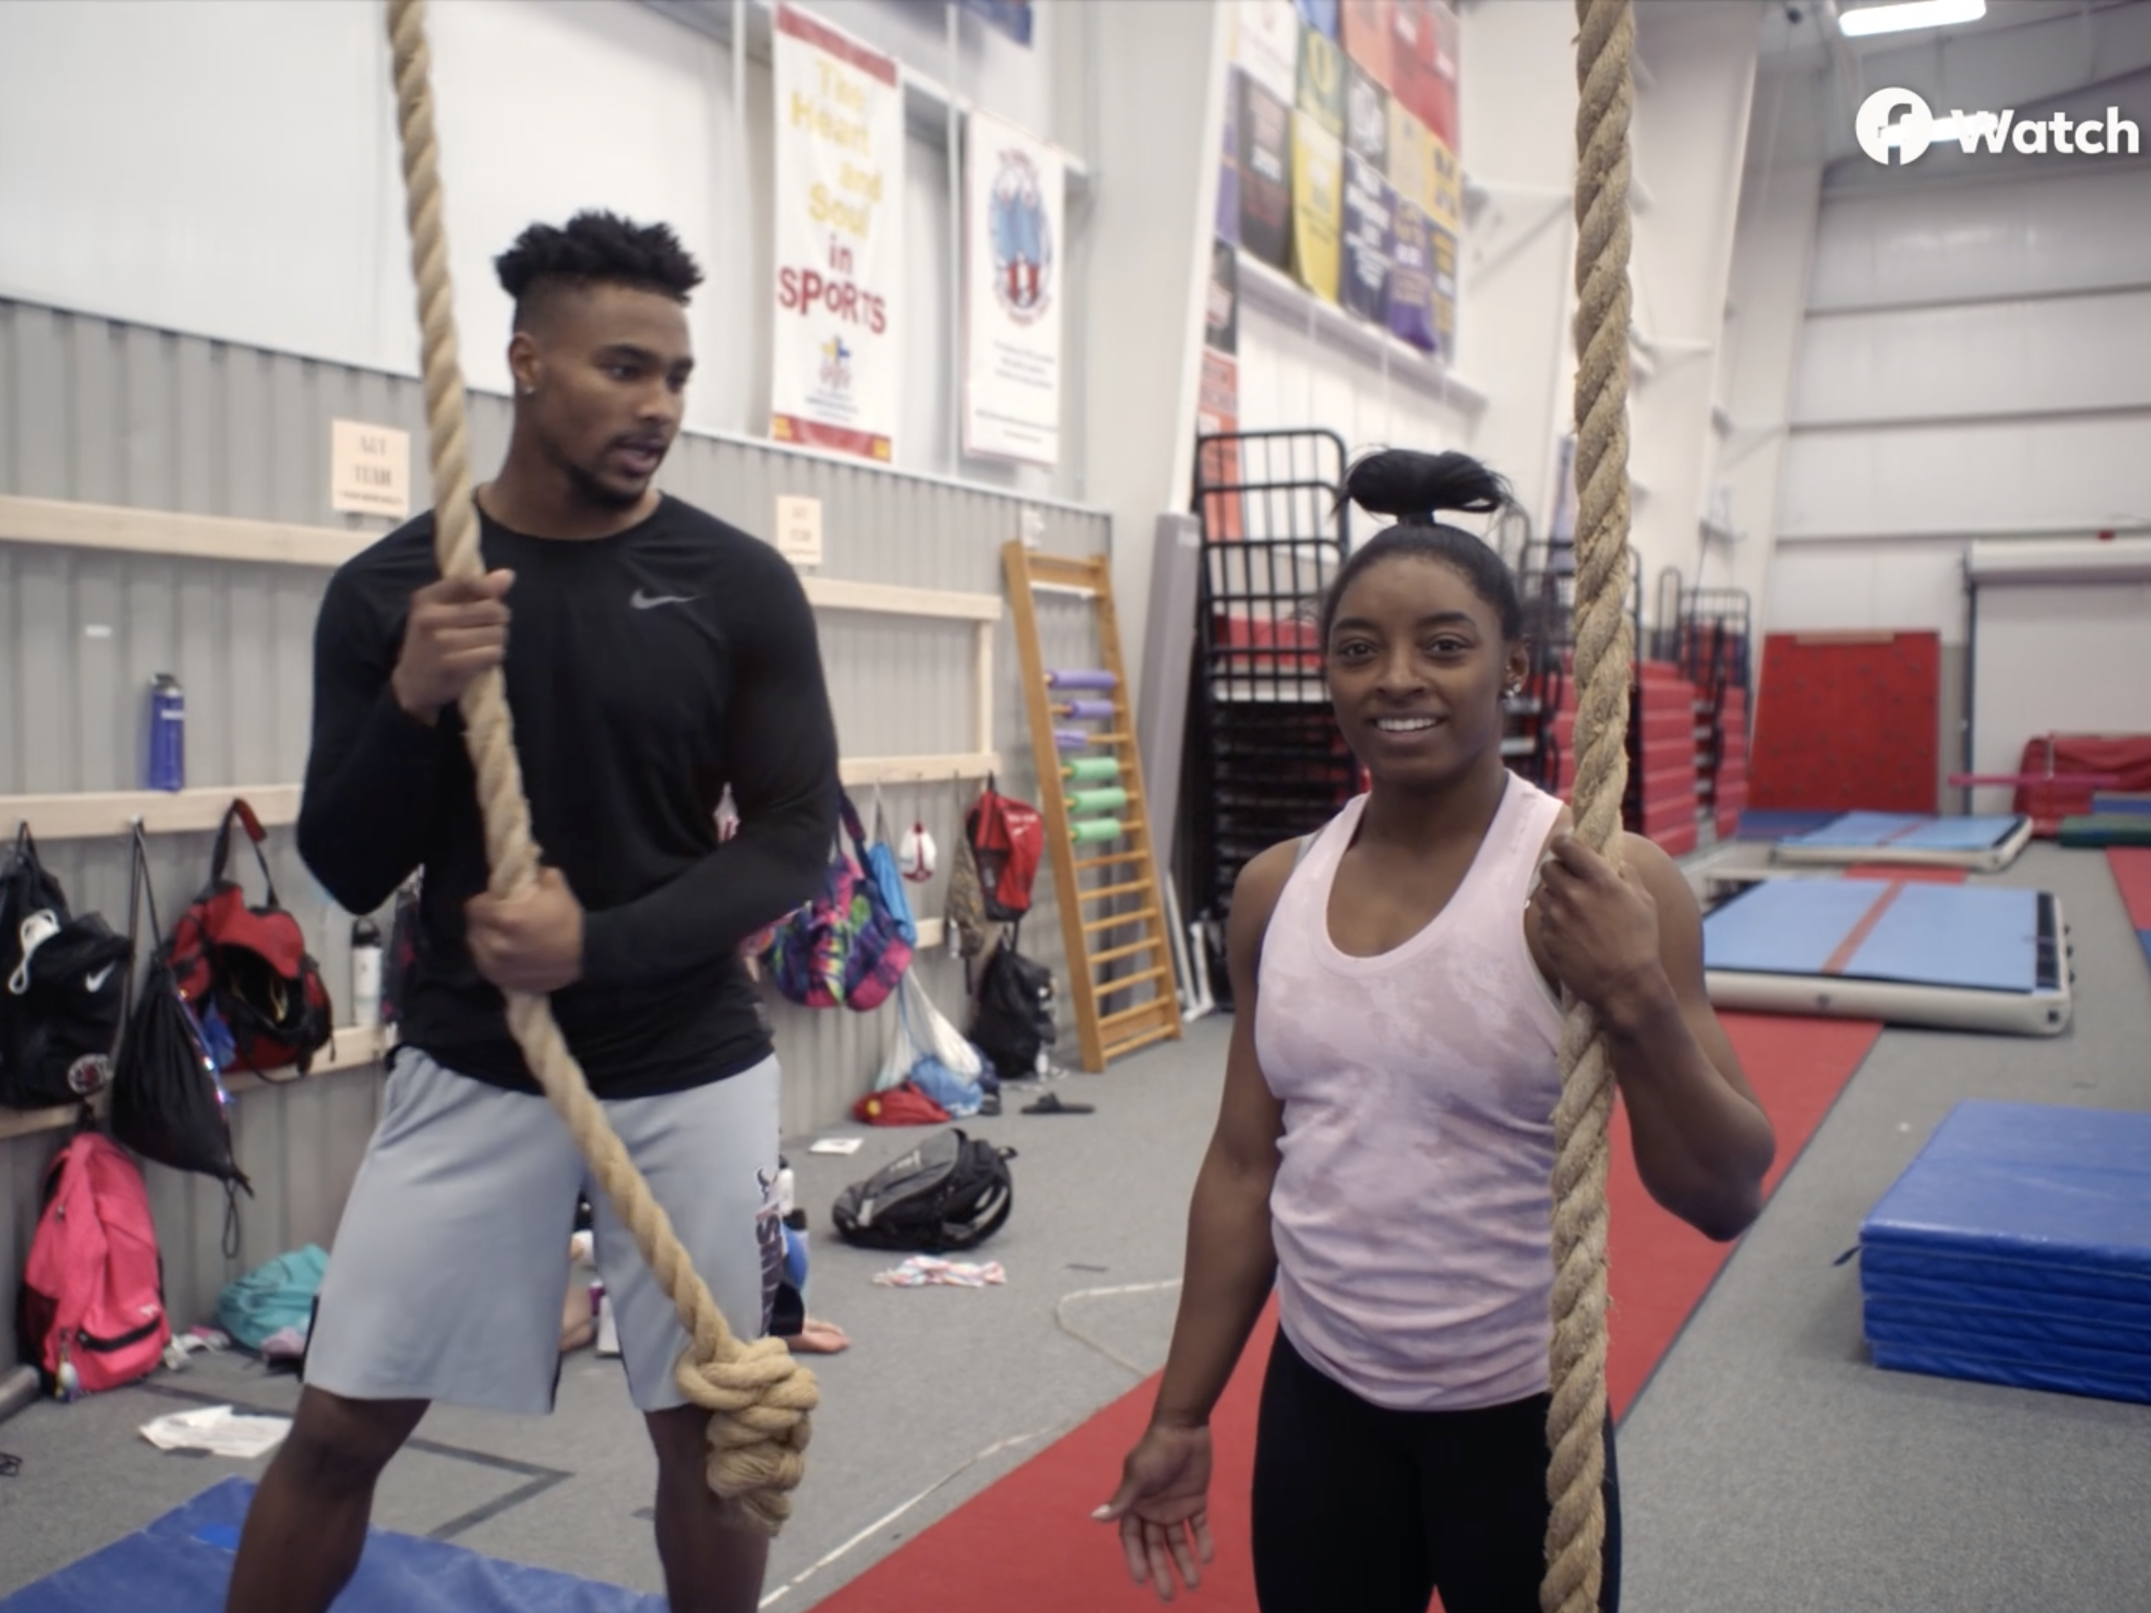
<point>1575,1533</point>
<point>757,1395</point>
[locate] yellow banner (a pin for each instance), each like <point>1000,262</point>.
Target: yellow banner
<point>1317,205</point>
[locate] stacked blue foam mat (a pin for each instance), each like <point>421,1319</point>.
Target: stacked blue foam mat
<point>2016,1249</point>
<point>182,1563</point>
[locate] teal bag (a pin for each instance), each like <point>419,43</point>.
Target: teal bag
<point>271,1297</point>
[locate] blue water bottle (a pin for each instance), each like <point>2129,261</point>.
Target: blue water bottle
<point>167,734</point>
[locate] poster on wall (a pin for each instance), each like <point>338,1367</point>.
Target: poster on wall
<point>1320,17</point>
<point>1411,278</point>
<point>1217,408</point>
<point>1366,29</point>
<point>1013,189</point>
<point>1321,83</point>
<point>1317,205</point>
<point>1369,209</point>
<point>1266,44</point>
<point>835,348</point>
<point>1265,177</point>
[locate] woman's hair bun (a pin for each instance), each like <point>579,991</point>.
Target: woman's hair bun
<point>1409,485</point>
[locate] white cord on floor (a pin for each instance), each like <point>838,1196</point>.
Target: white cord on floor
<point>1060,1318</point>
<point>896,1512</point>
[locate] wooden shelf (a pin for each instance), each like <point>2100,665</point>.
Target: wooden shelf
<point>114,812</point>
<point>356,1048</point>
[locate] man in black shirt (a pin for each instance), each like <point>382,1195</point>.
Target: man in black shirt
<point>656,655</point>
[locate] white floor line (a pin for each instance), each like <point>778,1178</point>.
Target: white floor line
<point>992,1450</point>
<point>898,1511</point>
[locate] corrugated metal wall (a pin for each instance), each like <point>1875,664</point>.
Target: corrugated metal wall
<point>104,413</point>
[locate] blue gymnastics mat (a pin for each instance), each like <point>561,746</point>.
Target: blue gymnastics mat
<point>1954,957</point>
<point>1982,843</point>
<point>1933,935</point>
<point>182,1563</point>
<point>2016,1249</point>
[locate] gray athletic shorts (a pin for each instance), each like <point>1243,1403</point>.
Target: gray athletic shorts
<point>451,1262</point>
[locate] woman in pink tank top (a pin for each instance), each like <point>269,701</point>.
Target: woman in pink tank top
<point>1385,1140</point>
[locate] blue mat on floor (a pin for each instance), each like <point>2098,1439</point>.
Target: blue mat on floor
<point>1757,825</point>
<point>2016,1249</point>
<point>1883,831</point>
<point>1984,938</point>
<point>183,1562</point>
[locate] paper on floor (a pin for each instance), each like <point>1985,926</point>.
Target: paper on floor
<point>217,1430</point>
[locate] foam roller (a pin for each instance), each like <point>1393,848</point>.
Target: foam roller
<point>1092,770</point>
<point>1064,678</point>
<point>1082,709</point>
<point>1087,831</point>
<point>1097,800</point>
<point>1071,738</point>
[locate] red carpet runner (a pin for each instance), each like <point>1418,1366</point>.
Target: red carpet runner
<point>1027,1545</point>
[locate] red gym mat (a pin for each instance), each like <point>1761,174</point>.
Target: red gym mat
<point>1847,722</point>
<point>2132,872</point>
<point>1028,1542</point>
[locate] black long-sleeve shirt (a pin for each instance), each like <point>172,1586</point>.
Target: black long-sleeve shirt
<point>645,672</point>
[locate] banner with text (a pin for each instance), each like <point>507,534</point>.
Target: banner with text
<point>835,351</point>
<point>1013,188</point>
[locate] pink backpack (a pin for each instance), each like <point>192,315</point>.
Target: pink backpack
<point>91,1315</point>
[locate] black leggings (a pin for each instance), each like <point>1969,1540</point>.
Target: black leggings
<point>1373,1510</point>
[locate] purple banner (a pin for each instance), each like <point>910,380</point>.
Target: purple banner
<point>1369,239</point>
<point>1411,278</point>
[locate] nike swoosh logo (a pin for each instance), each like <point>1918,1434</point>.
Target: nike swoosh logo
<point>643,601</point>
<point>96,982</point>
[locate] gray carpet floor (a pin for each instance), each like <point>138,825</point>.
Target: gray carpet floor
<point>1767,1467</point>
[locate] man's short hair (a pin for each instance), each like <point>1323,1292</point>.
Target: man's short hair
<point>595,248</point>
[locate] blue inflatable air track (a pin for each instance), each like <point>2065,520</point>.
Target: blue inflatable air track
<point>182,1563</point>
<point>2016,1249</point>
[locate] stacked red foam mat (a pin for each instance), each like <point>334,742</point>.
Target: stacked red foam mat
<point>1662,723</point>
<point>1662,757</point>
<point>1729,780</point>
<point>1848,722</point>
<point>1563,718</point>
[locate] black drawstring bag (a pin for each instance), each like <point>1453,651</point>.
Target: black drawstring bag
<point>168,1103</point>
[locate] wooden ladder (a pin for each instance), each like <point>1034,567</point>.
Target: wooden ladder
<point>1116,891</point>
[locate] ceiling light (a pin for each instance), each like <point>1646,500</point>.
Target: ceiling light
<point>1894,19</point>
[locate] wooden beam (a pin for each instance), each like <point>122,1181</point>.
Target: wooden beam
<point>864,770</point>
<point>356,1048</point>
<point>60,523</point>
<point>889,599</point>
<point>113,812</point>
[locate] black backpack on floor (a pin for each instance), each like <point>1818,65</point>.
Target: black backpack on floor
<point>1014,1023</point>
<point>951,1192</point>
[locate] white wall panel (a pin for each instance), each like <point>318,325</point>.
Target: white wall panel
<point>229,169</point>
<point>2065,228</point>
<point>2057,659</point>
<point>1974,479</point>
<point>1915,586</point>
<point>2023,357</point>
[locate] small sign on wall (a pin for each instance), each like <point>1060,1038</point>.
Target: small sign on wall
<point>369,469</point>
<point>799,530</point>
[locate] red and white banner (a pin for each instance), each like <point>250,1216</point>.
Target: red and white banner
<point>835,348</point>
<point>1014,263</point>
